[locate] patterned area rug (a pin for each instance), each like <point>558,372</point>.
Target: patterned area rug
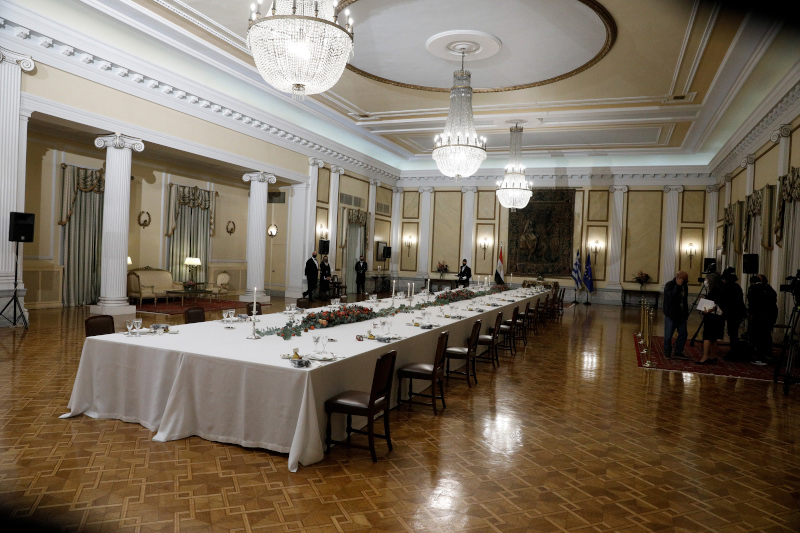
<point>174,307</point>
<point>722,368</point>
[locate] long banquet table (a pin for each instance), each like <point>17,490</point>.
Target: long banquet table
<point>212,382</point>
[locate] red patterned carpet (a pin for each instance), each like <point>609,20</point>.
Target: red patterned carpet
<point>175,307</point>
<point>722,368</point>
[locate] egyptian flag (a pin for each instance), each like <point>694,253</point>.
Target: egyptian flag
<point>499,273</point>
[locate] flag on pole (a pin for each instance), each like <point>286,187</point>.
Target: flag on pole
<point>576,270</point>
<point>587,275</point>
<point>499,273</point>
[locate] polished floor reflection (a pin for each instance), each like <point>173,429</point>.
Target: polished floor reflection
<point>568,436</point>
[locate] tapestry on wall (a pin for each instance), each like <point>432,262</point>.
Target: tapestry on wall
<point>540,235</point>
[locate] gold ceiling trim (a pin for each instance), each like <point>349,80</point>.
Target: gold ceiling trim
<point>594,5</point>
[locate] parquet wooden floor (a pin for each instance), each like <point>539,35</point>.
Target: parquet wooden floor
<point>568,436</point>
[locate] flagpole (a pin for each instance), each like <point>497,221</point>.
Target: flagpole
<point>587,302</point>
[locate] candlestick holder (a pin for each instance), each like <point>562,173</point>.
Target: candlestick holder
<point>254,335</point>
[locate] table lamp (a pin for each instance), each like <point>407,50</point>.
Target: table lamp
<point>192,263</point>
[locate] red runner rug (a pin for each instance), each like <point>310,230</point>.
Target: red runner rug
<point>174,307</point>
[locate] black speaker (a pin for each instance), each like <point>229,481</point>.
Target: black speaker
<point>324,246</point>
<point>387,252</point>
<point>710,264</point>
<point>750,263</point>
<point>20,227</point>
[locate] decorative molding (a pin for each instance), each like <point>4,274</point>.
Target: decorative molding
<point>374,182</point>
<point>618,188</point>
<point>784,130</point>
<point>714,188</point>
<point>337,170</point>
<point>230,227</point>
<point>749,159</point>
<point>673,188</point>
<point>315,162</point>
<point>259,177</point>
<point>728,178</point>
<point>119,141</point>
<point>468,189</point>
<point>25,62</point>
<point>397,190</point>
<point>144,219</point>
<point>426,189</point>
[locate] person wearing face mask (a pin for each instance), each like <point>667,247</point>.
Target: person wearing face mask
<point>464,274</point>
<point>312,275</point>
<point>676,314</point>
<point>324,277</point>
<point>361,275</point>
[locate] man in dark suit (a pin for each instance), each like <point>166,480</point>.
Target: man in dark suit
<point>464,274</point>
<point>361,275</point>
<point>312,275</point>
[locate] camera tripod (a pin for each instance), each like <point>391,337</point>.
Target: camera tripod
<point>703,292</point>
<point>788,351</point>
<point>14,301</point>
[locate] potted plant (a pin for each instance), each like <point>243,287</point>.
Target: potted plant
<point>442,269</point>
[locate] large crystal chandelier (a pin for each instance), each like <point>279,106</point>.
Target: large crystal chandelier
<point>514,191</point>
<point>299,46</point>
<point>458,151</point>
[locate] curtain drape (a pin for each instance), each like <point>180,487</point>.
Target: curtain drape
<point>82,218</point>
<point>758,223</point>
<point>190,226</point>
<point>787,233</point>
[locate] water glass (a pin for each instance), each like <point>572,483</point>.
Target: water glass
<point>324,340</point>
<point>129,325</point>
<point>137,323</point>
<point>316,339</point>
<point>288,309</point>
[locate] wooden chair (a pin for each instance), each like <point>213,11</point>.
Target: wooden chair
<point>560,301</point>
<point>520,329</point>
<point>192,315</point>
<point>532,319</point>
<point>542,308</point>
<point>339,289</point>
<point>250,308</point>
<point>490,341</point>
<point>366,404</point>
<point>99,325</point>
<point>466,354</point>
<point>343,299</point>
<point>428,372</point>
<point>508,329</point>
<point>303,303</point>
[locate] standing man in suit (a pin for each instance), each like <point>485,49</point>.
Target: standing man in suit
<point>312,275</point>
<point>464,274</point>
<point>361,275</point>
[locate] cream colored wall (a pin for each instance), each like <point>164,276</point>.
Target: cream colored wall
<point>446,223</point>
<point>409,228</point>
<point>766,168</point>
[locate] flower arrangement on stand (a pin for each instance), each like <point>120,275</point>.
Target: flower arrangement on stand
<point>442,268</point>
<point>642,278</point>
<point>189,284</point>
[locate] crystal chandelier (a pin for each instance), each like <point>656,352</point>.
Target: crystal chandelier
<point>514,191</point>
<point>458,151</point>
<point>299,46</point>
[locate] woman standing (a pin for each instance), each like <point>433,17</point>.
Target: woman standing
<point>713,324</point>
<point>324,277</point>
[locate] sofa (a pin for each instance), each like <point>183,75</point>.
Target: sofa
<point>147,282</point>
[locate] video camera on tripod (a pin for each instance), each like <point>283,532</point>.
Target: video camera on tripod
<point>793,287</point>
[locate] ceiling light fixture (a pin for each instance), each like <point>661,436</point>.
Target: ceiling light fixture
<point>514,191</point>
<point>458,151</point>
<point>299,46</point>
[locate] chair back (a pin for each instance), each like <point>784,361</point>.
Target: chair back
<point>382,378</point>
<point>472,344</point>
<point>527,309</point>
<point>343,299</point>
<point>250,308</point>
<point>441,347</point>
<point>497,323</point>
<point>561,296</point>
<point>99,325</point>
<point>192,315</point>
<point>514,316</point>
<point>335,277</point>
<point>303,303</point>
<point>546,304</point>
<point>223,278</point>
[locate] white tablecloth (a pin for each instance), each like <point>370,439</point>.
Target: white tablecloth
<point>212,382</point>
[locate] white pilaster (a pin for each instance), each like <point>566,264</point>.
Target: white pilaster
<point>615,241</point>
<point>116,212</point>
<point>296,256</point>
<point>309,238</point>
<point>728,180</point>
<point>333,214</point>
<point>397,238</point>
<point>669,251</point>
<point>13,141</point>
<point>712,199</point>
<point>371,203</point>
<point>257,234</point>
<point>468,225</point>
<point>423,267</point>
<point>783,136</point>
<point>749,163</point>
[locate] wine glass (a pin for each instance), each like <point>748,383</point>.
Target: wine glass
<point>129,325</point>
<point>316,339</point>
<point>137,323</point>
<point>324,340</point>
<point>383,324</point>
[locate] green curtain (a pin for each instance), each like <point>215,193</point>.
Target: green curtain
<point>82,218</point>
<point>190,226</point>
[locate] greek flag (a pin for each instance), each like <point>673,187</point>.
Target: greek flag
<point>576,270</point>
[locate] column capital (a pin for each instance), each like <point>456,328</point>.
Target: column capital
<point>618,188</point>
<point>426,189</point>
<point>749,159</point>
<point>314,162</point>
<point>728,178</point>
<point>375,182</point>
<point>336,170</point>
<point>260,177</point>
<point>23,61</point>
<point>784,130</point>
<point>673,188</point>
<point>714,188</point>
<point>25,112</point>
<point>118,140</point>
<point>468,189</point>
<point>397,190</point>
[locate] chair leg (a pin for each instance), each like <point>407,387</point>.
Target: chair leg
<point>386,430</point>
<point>349,428</point>
<point>474,369</point>
<point>410,392</point>
<point>433,395</point>
<point>371,437</point>
<point>441,388</point>
<point>447,371</point>
<point>328,435</point>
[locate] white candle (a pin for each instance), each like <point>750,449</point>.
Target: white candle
<point>408,289</point>
<point>413,286</point>
<point>393,282</point>
<point>429,284</point>
<point>254,300</point>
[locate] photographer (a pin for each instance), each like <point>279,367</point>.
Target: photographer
<point>676,314</point>
<point>763,313</point>
<point>735,312</point>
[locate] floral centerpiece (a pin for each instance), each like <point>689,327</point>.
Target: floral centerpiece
<point>189,284</point>
<point>442,268</point>
<point>642,278</point>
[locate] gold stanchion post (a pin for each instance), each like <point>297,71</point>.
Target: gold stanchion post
<point>649,338</point>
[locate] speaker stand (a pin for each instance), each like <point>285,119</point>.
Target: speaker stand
<point>14,301</point>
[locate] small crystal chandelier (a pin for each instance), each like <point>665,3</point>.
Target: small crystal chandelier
<point>514,191</point>
<point>299,46</point>
<point>458,151</point>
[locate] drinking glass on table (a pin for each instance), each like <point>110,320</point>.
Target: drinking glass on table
<point>231,314</point>
<point>324,340</point>
<point>137,323</point>
<point>316,339</point>
<point>129,325</point>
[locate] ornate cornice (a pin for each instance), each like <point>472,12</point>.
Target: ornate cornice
<point>15,58</point>
<point>749,159</point>
<point>336,170</point>
<point>259,177</point>
<point>784,130</point>
<point>315,162</point>
<point>119,141</point>
<point>468,189</point>
<point>673,188</point>
<point>618,188</point>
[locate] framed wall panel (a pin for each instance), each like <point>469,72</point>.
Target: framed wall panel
<point>383,233</point>
<point>643,234</point>
<point>410,204</point>
<point>324,185</point>
<point>322,218</point>
<point>598,206</point>
<point>446,229</point>
<point>695,236</point>
<point>597,234</point>
<point>693,207</point>
<point>484,262</point>
<point>487,205</point>
<point>766,168</point>
<point>738,187</point>
<point>408,257</point>
<point>384,196</point>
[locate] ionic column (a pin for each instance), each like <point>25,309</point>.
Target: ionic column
<point>711,221</point>
<point>257,234</point>
<point>749,163</point>
<point>615,241</point>
<point>13,141</point>
<point>423,267</point>
<point>669,251</point>
<point>783,136</point>
<point>314,165</point>
<point>297,256</point>
<point>333,214</point>
<point>371,203</point>
<point>468,225</point>
<point>728,180</point>
<point>397,239</point>
<point>116,212</point>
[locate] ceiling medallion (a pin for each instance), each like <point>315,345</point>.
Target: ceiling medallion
<point>514,191</point>
<point>299,46</point>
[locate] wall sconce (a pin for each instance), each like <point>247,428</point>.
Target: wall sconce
<point>691,250</point>
<point>408,242</point>
<point>272,230</point>
<point>595,249</point>
<point>323,232</point>
<point>485,243</point>
<point>129,261</point>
